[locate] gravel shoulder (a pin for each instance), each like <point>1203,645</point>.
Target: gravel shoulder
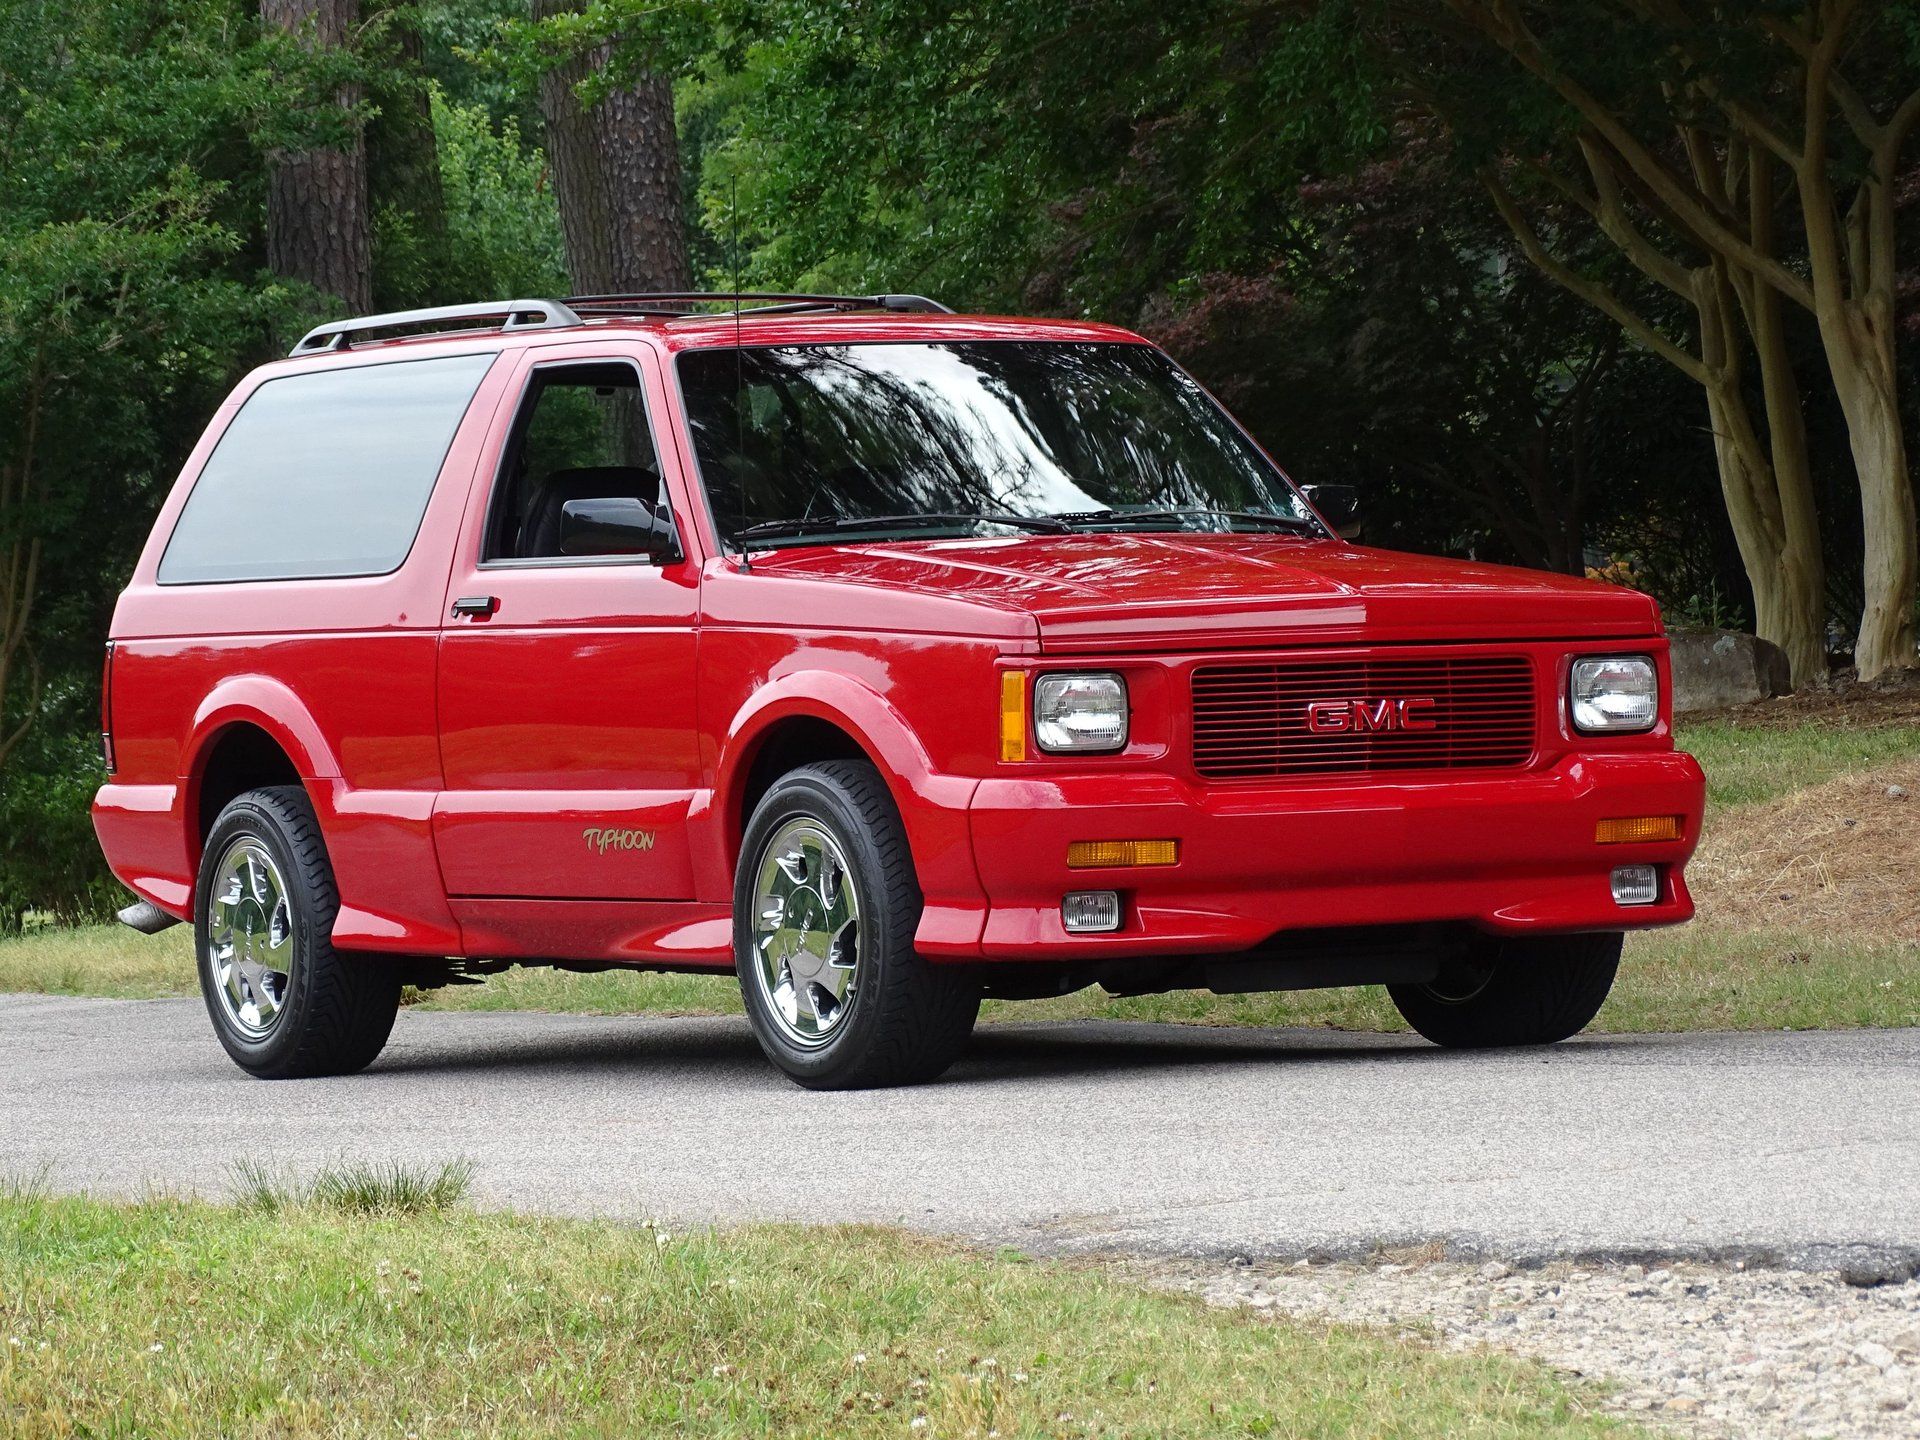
<point>1711,1351</point>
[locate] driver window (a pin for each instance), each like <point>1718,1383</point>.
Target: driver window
<point>581,434</point>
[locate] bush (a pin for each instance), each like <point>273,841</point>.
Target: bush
<point>503,224</point>
<point>51,868</point>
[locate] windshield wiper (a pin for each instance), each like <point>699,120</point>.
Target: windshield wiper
<point>1292,524</point>
<point>828,524</point>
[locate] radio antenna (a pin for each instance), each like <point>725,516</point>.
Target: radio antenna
<point>739,359</point>
<point>733,226</point>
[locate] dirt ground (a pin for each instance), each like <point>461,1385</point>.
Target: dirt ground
<point>1846,706</point>
<point>1842,858</point>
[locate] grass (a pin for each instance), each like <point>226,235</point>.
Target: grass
<point>1746,764</point>
<point>365,1188</point>
<point>1722,975</point>
<point>98,960</point>
<point>178,1319</point>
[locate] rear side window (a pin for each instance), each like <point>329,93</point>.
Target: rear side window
<point>323,475</point>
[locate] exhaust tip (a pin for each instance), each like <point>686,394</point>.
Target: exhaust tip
<point>147,917</point>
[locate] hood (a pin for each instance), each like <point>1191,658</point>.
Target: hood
<point>1137,592</point>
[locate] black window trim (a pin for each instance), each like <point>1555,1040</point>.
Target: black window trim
<point>516,433</point>
<point>439,474</point>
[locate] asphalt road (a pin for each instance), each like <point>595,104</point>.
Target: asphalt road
<point>1790,1148</point>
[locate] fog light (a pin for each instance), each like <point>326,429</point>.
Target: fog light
<point>1090,912</point>
<point>1635,885</point>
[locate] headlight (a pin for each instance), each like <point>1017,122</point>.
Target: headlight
<point>1078,714</point>
<point>1618,695</point>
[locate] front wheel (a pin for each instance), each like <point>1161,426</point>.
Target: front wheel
<point>283,1001</point>
<point>1531,991</point>
<point>825,907</point>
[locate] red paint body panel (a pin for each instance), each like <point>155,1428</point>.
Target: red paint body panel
<point>461,766</point>
<point>1510,853</point>
<point>1098,593</point>
<point>669,936</point>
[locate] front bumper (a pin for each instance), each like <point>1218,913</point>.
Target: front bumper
<point>1507,854</point>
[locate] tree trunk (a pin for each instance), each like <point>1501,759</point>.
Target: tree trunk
<point>573,157</point>
<point>1851,266</point>
<point>1863,375</point>
<point>1775,530</point>
<point>616,175</point>
<point>1797,622</point>
<point>1801,562</point>
<point>317,221</point>
<point>640,150</point>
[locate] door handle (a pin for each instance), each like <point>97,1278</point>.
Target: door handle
<point>478,606</point>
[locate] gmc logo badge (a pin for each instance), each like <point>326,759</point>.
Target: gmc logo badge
<point>1339,717</point>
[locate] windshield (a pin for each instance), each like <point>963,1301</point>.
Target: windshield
<point>814,442</point>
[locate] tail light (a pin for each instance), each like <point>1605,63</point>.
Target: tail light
<point>106,708</point>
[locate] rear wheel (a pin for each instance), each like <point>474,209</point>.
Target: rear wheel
<point>283,1001</point>
<point>825,909</point>
<point>1528,991</point>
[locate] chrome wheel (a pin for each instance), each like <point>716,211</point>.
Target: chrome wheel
<point>806,932</point>
<point>250,937</point>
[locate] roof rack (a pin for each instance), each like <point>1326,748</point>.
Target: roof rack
<point>559,314</point>
<point>681,302</point>
<point>497,314</point>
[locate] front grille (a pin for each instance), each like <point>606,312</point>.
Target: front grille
<point>1251,721</point>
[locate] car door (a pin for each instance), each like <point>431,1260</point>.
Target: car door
<point>566,679</point>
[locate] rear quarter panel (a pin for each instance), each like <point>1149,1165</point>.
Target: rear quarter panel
<point>339,671</point>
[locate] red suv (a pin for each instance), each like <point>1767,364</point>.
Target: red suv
<point>887,657</point>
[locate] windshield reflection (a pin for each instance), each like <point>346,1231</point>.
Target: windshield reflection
<point>942,437</point>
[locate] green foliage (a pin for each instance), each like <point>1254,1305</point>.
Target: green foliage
<point>1068,158</point>
<point>128,193</point>
<point>119,223</point>
<point>503,227</point>
<point>1411,349</point>
<point>492,229</point>
<point>133,138</point>
<point>457,37</point>
<point>50,866</point>
<point>630,38</point>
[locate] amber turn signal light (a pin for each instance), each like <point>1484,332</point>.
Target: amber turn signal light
<point>1013,715</point>
<point>1637,830</point>
<point>1118,854</point>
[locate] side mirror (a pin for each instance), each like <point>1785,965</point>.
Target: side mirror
<point>1339,506</point>
<point>617,526</point>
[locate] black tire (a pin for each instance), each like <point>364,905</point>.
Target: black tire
<point>337,1009</point>
<point>907,1019</point>
<point>1533,991</point>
